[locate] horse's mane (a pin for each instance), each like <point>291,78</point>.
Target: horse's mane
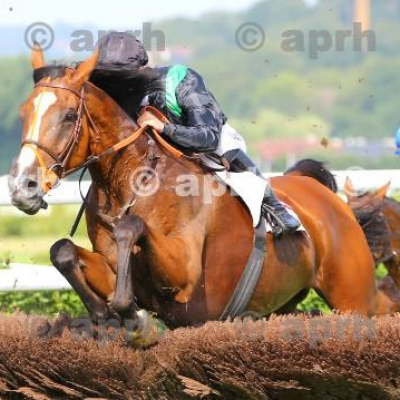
<point>126,86</point>
<point>371,218</point>
<point>49,71</point>
<point>365,211</point>
<point>316,170</point>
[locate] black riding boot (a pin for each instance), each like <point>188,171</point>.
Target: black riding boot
<point>239,161</point>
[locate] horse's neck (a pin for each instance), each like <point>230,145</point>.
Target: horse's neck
<point>113,174</point>
<point>111,123</point>
<point>107,126</point>
<point>393,204</point>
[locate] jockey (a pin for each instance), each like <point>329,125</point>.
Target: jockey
<point>197,122</point>
<point>398,142</point>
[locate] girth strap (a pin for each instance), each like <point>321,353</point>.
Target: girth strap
<point>250,277</point>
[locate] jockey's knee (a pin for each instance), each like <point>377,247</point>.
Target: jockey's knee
<point>239,161</point>
<point>231,155</point>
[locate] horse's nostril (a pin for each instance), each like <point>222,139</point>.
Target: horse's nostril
<point>32,184</point>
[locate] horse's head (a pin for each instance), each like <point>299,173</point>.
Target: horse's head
<point>53,140</point>
<point>368,208</point>
<point>365,200</point>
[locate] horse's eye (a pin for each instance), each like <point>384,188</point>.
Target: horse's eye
<point>70,116</point>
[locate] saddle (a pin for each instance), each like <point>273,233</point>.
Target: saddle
<point>213,163</point>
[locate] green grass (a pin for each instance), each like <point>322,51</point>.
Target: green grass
<point>27,240</point>
<point>44,303</point>
<point>34,250</point>
<point>313,302</point>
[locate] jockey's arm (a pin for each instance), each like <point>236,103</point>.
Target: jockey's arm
<point>202,128</point>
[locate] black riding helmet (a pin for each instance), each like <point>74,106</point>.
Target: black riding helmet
<point>118,71</point>
<point>121,50</point>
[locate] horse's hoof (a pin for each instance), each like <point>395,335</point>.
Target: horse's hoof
<point>147,334</point>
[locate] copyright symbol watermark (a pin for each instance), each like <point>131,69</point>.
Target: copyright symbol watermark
<point>145,182</point>
<point>40,33</point>
<point>250,37</point>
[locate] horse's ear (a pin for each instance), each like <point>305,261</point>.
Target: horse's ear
<point>37,57</point>
<point>85,69</point>
<point>383,191</point>
<point>349,189</point>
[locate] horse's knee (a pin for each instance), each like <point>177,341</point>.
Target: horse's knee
<point>63,255</point>
<point>129,227</point>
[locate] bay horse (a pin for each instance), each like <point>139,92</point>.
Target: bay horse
<point>379,217</point>
<point>178,256</point>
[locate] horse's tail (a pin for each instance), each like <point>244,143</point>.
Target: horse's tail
<point>316,170</point>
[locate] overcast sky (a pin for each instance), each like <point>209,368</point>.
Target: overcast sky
<point>109,13</point>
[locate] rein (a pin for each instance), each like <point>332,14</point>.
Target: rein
<point>59,170</point>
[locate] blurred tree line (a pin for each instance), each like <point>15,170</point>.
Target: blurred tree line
<point>270,92</point>
<point>15,85</point>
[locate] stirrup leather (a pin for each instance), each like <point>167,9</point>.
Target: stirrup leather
<point>277,225</point>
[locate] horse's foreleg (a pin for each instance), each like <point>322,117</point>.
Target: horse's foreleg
<point>88,274</point>
<point>127,233</point>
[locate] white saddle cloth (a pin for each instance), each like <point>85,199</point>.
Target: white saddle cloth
<point>251,189</point>
<point>248,186</point>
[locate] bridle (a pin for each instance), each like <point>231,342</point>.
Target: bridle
<point>59,170</point>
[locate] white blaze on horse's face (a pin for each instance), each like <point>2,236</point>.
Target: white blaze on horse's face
<point>27,157</point>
